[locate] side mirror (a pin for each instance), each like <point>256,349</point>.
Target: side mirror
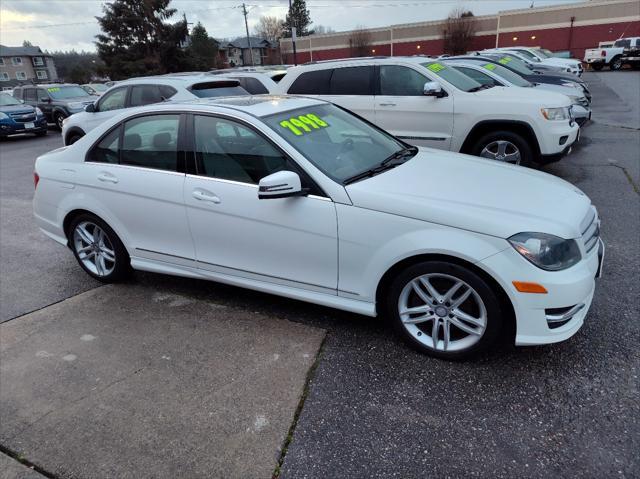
<point>433,88</point>
<point>90,108</point>
<point>21,101</point>
<point>283,184</point>
<point>45,99</point>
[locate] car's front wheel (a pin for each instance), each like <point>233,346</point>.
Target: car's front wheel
<point>504,146</point>
<point>59,118</point>
<point>98,249</point>
<point>444,310</point>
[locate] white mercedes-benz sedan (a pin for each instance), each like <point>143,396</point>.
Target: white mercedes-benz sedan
<point>300,198</point>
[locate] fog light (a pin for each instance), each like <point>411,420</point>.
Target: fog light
<point>563,139</point>
<point>557,317</point>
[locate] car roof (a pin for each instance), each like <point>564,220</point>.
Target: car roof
<point>256,105</point>
<point>176,79</point>
<point>48,85</point>
<point>324,64</point>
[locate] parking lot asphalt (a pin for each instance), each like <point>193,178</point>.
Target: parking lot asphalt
<point>375,408</point>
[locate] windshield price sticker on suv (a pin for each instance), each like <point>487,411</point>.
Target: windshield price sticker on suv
<point>504,60</point>
<point>490,66</point>
<point>53,90</point>
<point>436,67</point>
<point>302,124</point>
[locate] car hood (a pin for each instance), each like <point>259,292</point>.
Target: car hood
<point>541,98</point>
<point>475,194</point>
<point>561,61</point>
<point>17,109</point>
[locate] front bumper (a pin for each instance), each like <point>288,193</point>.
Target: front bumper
<point>556,140</point>
<point>570,289</point>
<point>15,128</point>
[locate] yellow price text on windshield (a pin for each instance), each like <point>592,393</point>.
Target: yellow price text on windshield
<point>505,60</point>
<point>436,67</point>
<point>301,124</point>
<point>490,66</point>
<point>53,90</point>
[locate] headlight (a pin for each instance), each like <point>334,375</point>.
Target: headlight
<point>38,111</point>
<point>555,113</point>
<point>76,105</point>
<point>570,84</point>
<point>3,116</point>
<point>546,251</point>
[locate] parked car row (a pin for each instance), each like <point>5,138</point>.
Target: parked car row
<point>614,56</point>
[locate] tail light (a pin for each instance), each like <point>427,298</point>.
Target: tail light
<point>36,178</point>
<point>603,53</point>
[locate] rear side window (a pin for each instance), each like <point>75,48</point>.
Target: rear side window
<point>625,43</point>
<point>216,89</point>
<point>312,83</point>
<point>352,81</point>
<point>151,142</point>
<point>253,86</point>
<point>113,100</point>
<point>106,151</point>
<point>30,94</point>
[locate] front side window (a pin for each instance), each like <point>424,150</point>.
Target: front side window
<point>228,150</point>
<point>30,94</point>
<point>352,81</point>
<point>625,43</point>
<point>113,100</point>
<point>457,79</point>
<point>397,80</point>
<point>311,83</point>
<point>106,151</point>
<point>145,95</point>
<point>151,142</point>
<point>338,143</point>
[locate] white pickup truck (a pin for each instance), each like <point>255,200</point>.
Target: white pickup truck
<point>611,56</point>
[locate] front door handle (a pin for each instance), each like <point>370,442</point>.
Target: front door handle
<point>107,177</point>
<point>387,104</point>
<point>203,196</point>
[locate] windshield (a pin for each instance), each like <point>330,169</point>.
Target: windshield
<point>64,92</point>
<point>8,100</point>
<point>99,87</point>
<point>456,78</point>
<point>528,55</point>
<point>507,74</point>
<point>338,143</point>
<point>514,63</point>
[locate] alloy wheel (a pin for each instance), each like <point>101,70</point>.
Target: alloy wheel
<point>59,120</point>
<point>94,248</point>
<point>502,150</point>
<point>442,312</point>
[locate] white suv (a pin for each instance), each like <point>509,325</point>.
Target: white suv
<point>544,56</point>
<point>145,91</point>
<point>426,103</point>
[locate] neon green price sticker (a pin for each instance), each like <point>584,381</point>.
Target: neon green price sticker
<point>436,67</point>
<point>490,66</point>
<point>301,124</point>
<point>53,90</point>
<point>504,60</point>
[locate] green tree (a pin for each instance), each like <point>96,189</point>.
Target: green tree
<point>137,40</point>
<point>203,50</point>
<point>298,16</point>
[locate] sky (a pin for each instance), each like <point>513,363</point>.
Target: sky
<point>70,24</point>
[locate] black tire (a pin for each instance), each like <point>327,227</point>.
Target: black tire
<point>73,138</point>
<point>122,264</point>
<point>597,66</point>
<point>616,63</point>
<point>494,316</point>
<point>526,152</point>
<point>57,118</point>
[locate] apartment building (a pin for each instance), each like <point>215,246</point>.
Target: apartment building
<point>19,65</point>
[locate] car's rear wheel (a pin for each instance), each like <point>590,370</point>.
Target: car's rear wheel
<point>504,146</point>
<point>59,118</point>
<point>444,310</point>
<point>98,249</point>
<point>616,63</point>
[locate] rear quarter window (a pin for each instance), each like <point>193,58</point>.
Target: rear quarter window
<point>352,81</point>
<point>312,83</point>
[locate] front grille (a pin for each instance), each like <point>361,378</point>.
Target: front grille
<point>590,228</point>
<point>22,117</point>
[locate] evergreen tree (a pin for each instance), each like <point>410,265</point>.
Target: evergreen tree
<point>203,50</point>
<point>136,39</point>
<point>298,17</point>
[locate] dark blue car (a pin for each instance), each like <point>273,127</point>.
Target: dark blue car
<point>16,117</point>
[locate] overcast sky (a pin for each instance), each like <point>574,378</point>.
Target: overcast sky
<point>70,24</point>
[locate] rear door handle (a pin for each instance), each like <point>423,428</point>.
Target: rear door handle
<point>387,104</point>
<point>107,177</point>
<point>203,196</point>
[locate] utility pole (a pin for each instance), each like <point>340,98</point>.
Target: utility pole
<point>246,25</point>
<point>293,36</point>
